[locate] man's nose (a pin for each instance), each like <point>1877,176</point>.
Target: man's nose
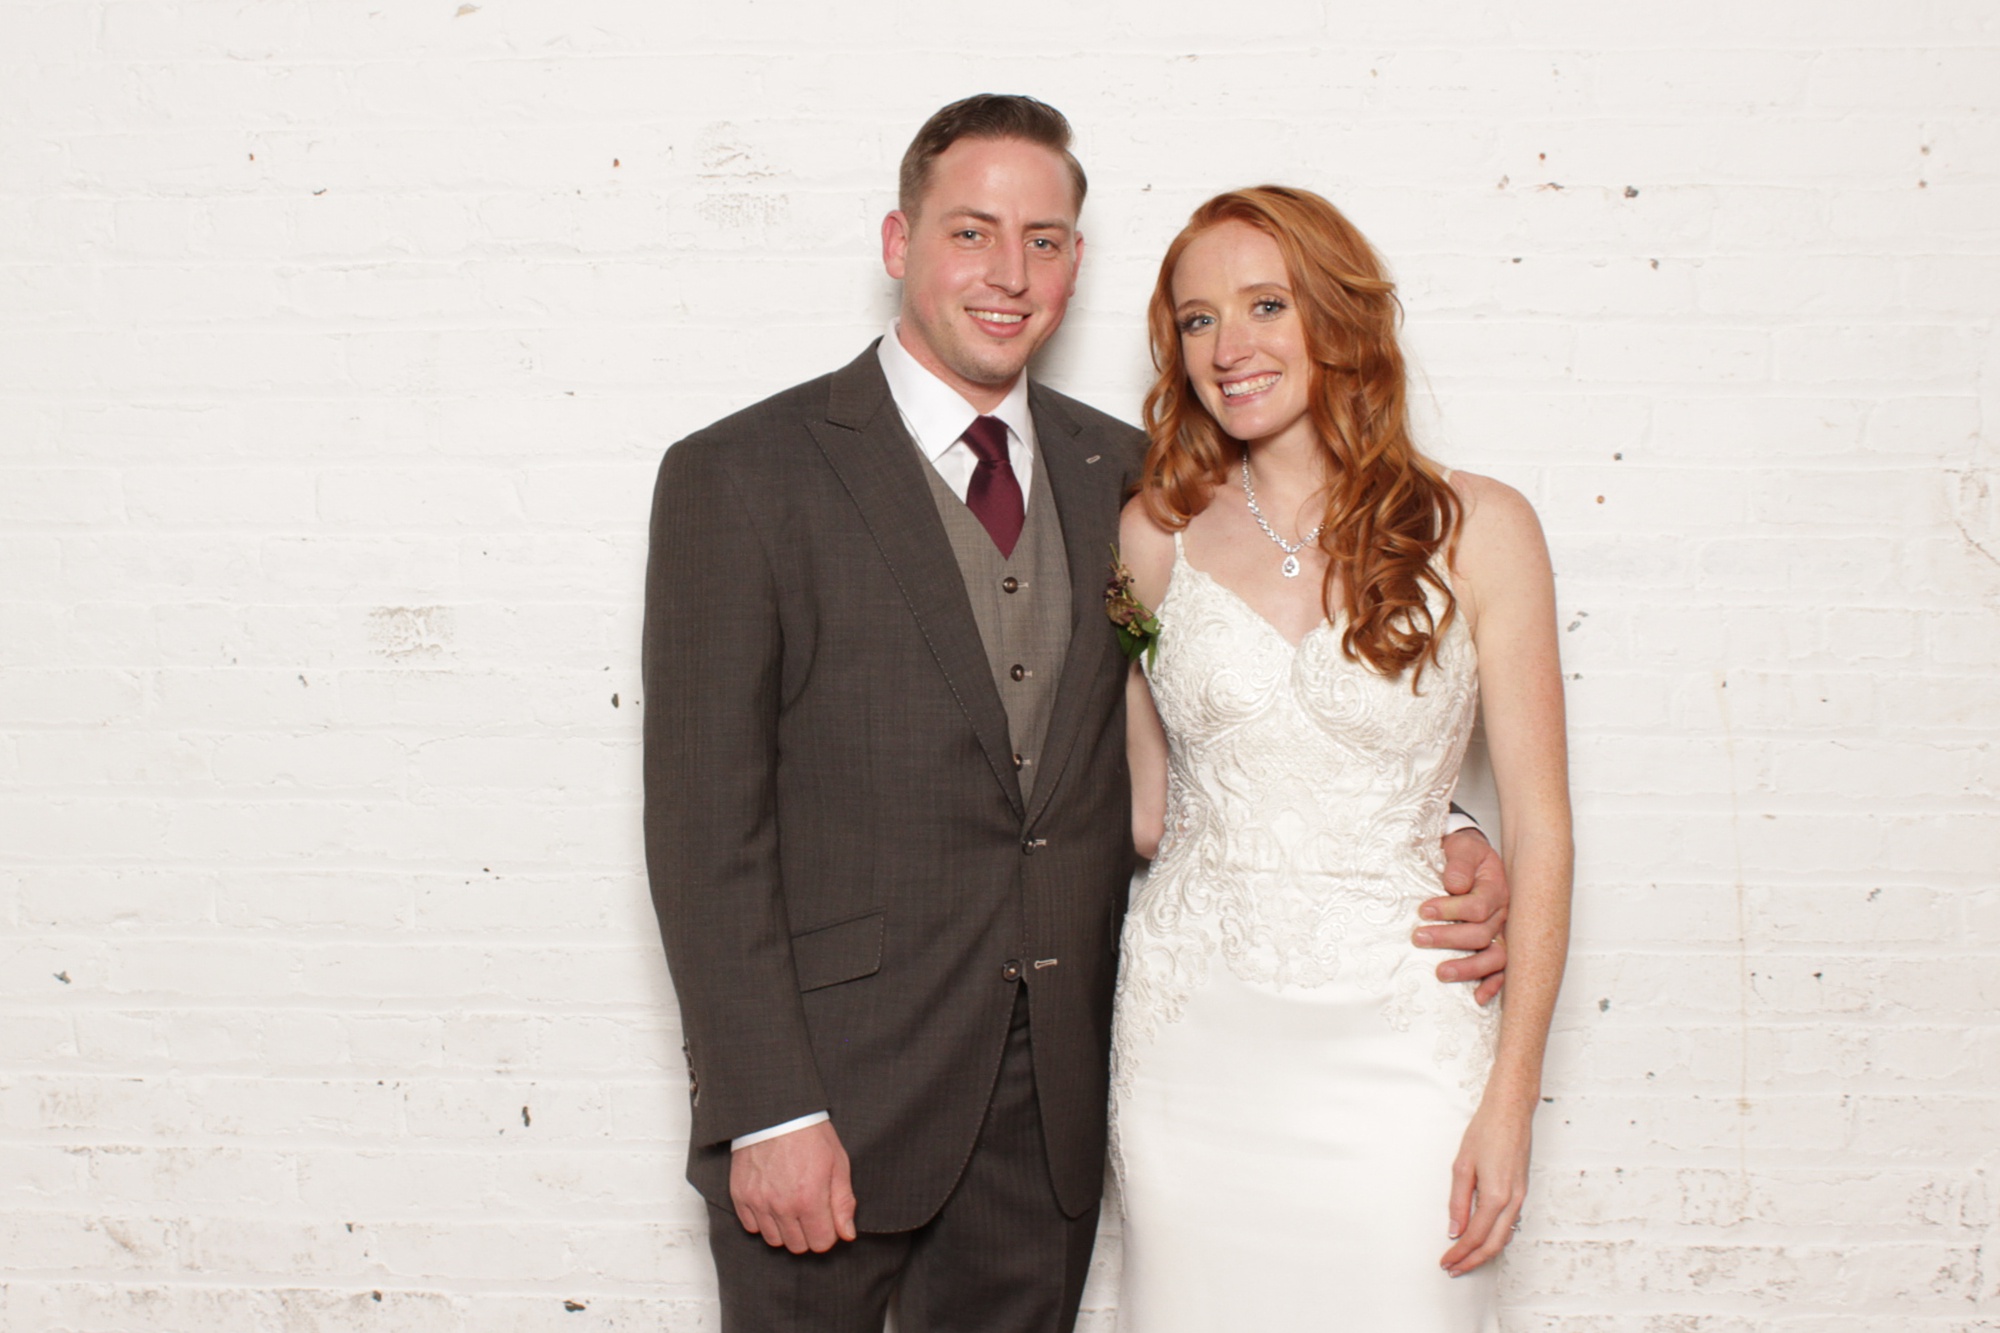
<point>1008,270</point>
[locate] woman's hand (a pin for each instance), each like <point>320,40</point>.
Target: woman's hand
<point>1489,1183</point>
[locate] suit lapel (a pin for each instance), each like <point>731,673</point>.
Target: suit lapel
<point>867,446</point>
<point>1086,496</point>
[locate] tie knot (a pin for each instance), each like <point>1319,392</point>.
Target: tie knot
<point>988,438</point>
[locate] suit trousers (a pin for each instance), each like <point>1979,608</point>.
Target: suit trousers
<point>999,1257</point>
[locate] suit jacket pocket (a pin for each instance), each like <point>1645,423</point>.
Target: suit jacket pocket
<point>844,951</point>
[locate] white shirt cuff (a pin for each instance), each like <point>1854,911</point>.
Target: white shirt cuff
<point>779,1131</point>
<point>1457,821</point>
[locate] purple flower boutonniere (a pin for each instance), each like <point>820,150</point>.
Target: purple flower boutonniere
<point>1138,629</point>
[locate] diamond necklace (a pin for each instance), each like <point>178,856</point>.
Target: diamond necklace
<point>1290,568</point>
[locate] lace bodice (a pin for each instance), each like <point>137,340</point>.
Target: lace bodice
<point>1306,797</point>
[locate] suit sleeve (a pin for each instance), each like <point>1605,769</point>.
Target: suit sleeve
<point>711,660</point>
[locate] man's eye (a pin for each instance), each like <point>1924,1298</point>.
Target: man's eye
<point>968,235</point>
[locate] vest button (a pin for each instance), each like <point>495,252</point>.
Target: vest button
<point>1010,584</point>
<point>1018,672</point>
<point>1011,971</point>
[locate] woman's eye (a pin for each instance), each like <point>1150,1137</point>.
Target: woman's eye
<point>1195,323</point>
<point>1270,305</point>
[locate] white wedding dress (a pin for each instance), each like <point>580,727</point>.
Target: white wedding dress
<point>1290,1079</point>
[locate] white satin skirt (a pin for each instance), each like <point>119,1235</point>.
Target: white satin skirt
<point>1287,1167</point>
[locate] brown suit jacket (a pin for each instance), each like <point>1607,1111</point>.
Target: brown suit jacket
<point>846,876</point>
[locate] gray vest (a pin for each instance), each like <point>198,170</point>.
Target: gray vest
<point>1021,603</point>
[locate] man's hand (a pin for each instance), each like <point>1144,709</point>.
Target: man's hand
<point>795,1190</point>
<point>1473,912</point>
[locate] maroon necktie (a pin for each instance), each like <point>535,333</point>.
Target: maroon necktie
<point>994,497</point>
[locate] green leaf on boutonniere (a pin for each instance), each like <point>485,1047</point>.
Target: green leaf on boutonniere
<point>1138,628</point>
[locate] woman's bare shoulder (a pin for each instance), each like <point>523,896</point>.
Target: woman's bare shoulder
<point>1147,549</point>
<point>1499,537</point>
<point>1492,508</point>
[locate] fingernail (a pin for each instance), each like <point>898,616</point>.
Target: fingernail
<point>1428,912</point>
<point>1424,937</point>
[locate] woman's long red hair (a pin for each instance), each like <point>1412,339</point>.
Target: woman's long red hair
<point>1390,514</point>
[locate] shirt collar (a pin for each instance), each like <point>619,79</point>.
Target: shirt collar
<point>934,411</point>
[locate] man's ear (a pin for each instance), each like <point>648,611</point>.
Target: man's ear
<point>1076,263</point>
<point>895,242</point>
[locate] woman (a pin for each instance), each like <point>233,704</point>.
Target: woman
<point>1301,1113</point>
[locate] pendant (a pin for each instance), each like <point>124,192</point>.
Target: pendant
<point>1290,567</point>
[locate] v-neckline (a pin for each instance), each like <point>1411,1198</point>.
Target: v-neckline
<point>1182,562</point>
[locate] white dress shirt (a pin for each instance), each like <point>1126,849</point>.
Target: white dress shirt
<point>936,417</point>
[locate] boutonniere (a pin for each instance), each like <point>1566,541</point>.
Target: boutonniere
<point>1138,628</point>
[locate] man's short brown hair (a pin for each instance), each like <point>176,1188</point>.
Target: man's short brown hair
<point>985,116</point>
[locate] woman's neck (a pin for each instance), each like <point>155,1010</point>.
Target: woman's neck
<point>1290,468</point>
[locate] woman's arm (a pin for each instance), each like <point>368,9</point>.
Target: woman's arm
<point>1508,592</point>
<point>1148,552</point>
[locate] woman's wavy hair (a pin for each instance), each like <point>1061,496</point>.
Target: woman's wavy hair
<point>1391,517</point>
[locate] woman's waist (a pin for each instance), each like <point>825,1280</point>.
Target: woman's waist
<point>1403,864</point>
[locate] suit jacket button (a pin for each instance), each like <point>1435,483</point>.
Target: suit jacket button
<point>1018,761</point>
<point>1012,970</point>
<point>1017,671</point>
<point>1010,584</point>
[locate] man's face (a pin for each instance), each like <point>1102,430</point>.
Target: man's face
<point>988,263</point>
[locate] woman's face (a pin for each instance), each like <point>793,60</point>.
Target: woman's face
<point>1241,337</point>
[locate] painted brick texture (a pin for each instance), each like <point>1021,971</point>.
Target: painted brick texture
<point>337,348</point>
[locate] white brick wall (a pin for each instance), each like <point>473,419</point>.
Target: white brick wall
<point>338,344</point>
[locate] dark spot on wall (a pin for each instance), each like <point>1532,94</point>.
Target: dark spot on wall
<point>574,1306</point>
<point>525,1120</point>
<point>63,977</point>
<point>1631,192</point>
<point>614,701</point>
<point>1604,1006</point>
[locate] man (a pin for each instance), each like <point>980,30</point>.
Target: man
<point>887,815</point>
